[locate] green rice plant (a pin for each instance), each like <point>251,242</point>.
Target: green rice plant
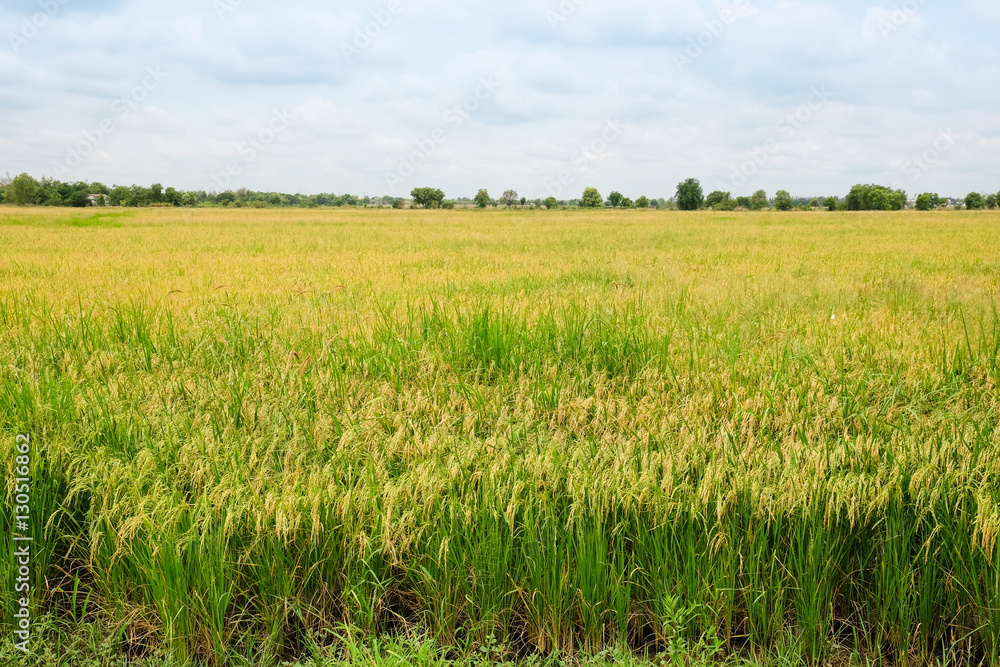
<point>365,583</point>
<point>546,593</point>
<point>438,575</point>
<point>815,554</point>
<point>592,575</point>
<point>490,556</point>
<point>763,580</point>
<point>622,585</point>
<point>213,584</point>
<point>273,576</point>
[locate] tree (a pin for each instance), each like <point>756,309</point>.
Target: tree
<point>924,202</point>
<point>875,198</point>
<point>592,198</point>
<point>397,202</point>
<point>616,198</point>
<point>627,203</point>
<point>743,202</point>
<point>136,196</point>
<point>156,193</point>
<point>524,200</point>
<point>814,203</point>
<point>551,202</point>
<point>427,197</point>
<point>173,197</point>
<point>509,197</point>
<point>21,190</point>
<point>642,202</point>
<point>783,201</point>
<point>758,201</point>
<point>991,201</point>
<point>79,199</point>
<point>716,198</point>
<point>974,201</point>
<point>830,204</point>
<point>690,196</point>
<point>482,198</point>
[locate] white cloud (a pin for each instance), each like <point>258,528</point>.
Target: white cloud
<point>883,23</point>
<point>559,86</point>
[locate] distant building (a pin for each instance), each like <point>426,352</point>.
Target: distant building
<point>98,200</point>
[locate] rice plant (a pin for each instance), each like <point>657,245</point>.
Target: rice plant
<point>435,433</point>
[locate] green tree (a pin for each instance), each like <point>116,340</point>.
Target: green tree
<point>551,202</point>
<point>690,196</point>
<point>991,201</point>
<point>79,199</point>
<point>616,199</point>
<point>758,201</point>
<point>716,198</point>
<point>783,201</point>
<point>509,197</point>
<point>427,197</point>
<point>173,197</point>
<point>875,198</point>
<point>21,190</point>
<point>974,201</point>
<point>592,198</point>
<point>830,204</point>
<point>155,193</point>
<point>743,202</point>
<point>137,196</point>
<point>117,195</point>
<point>924,202</point>
<point>482,198</point>
<point>642,202</point>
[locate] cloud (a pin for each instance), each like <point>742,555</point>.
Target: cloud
<point>882,23</point>
<point>896,82</point>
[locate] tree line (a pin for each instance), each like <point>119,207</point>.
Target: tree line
<point>689,196</point>
<point>25,190</point>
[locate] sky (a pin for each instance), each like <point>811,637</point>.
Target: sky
<point>545,97</point>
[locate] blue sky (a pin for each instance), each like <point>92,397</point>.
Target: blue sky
<point>542,96</point>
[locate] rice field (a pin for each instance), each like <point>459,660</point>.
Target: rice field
<point>507,436</point>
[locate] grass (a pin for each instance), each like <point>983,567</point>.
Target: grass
<point>377,436</point>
